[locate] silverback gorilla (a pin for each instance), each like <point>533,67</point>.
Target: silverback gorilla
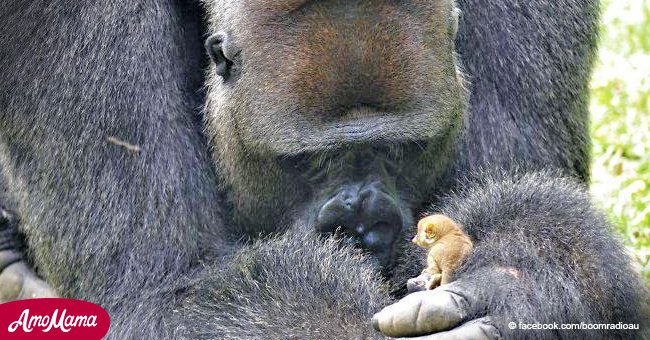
<point>333,117</point>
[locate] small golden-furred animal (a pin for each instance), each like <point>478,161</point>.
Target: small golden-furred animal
<point>448,247</point>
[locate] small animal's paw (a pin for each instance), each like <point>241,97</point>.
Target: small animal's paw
<point>418,283</point>
<point>425,281</point>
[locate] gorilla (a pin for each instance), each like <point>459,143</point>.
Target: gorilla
<point>283,209</point>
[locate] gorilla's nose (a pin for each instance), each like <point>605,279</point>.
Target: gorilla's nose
<point>367,215</point>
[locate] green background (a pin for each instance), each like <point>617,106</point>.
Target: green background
<point>620,126</point>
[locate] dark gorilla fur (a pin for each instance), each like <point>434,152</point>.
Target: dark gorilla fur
<point>146,233</point>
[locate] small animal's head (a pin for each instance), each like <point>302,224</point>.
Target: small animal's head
<point>426,235</point>
<point>432,228</point>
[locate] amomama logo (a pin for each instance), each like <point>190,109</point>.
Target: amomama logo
<point>53,319</point>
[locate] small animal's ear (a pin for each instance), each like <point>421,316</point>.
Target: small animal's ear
<point>220,49</point>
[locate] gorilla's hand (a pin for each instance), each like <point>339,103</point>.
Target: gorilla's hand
<point>452,311</point>
<point>540,255</point>
<point>18,281</point>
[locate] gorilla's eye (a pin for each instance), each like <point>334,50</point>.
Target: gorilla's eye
<point>217,46</point>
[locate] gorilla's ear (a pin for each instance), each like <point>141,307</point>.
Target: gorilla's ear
<point>455,17</point>
<point>222,51</point>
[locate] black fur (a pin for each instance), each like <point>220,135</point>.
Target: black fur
<point>529,65</point>
<point>104,221</point>
<point>572,269</point>
<point>102,148</point>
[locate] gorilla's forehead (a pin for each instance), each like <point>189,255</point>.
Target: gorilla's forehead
<point>257,11</point>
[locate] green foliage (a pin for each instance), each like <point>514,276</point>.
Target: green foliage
<point>620,108</point>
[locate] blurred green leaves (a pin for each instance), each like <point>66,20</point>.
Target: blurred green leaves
<point>620,108</point>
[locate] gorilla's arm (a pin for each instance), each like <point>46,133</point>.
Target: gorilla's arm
<point>101,143</point>
<point>101,146</point>
<point>529,65</point>
<point>296,286</point>
<point>543,254</point>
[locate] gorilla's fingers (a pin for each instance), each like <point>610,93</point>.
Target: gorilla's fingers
<point>34,287</point>
<point>422,313</point>
<point>18,282</point>
<point>478,329</point>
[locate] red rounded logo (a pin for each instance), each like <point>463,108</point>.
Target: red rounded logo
<point>53,319</point>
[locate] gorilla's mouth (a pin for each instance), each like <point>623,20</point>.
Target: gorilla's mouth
<point>363,193</point>
<point>367,216</point>
<point>313,133</point>
<point>377,128</point>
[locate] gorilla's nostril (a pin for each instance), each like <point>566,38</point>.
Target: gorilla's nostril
<point>349,203</point>
<point>350,199</point>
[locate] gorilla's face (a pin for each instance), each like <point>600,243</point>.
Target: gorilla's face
<point>310,76</point>
<point>352,106</point>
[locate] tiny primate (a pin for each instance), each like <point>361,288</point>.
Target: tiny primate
<point>448,246</point>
